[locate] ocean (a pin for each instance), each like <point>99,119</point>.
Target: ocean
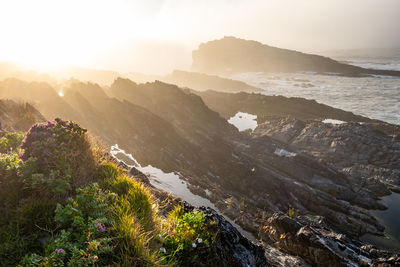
<point>376,97</point>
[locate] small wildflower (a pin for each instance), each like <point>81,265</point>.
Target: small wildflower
<point>199,240</point>
<point>101,227</point>
<point>95,258</point>
<point>163,250</point>
<point>19,174</point>
<point>194,245</point>
<point>59,250</point>
<point>159,235</point>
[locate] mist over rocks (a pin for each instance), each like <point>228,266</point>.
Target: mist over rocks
<point>231,55</point>
<point>15,116</point>
<point>202,82</point>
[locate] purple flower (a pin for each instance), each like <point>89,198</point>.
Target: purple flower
<point>101,227</point>
<point>20,156</point>
<point>59,250</point>
<point>19,174</point>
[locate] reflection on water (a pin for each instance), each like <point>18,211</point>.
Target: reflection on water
<point>332,121</point>
<point>244,121</point>
<point>171,183</point>
<point>390,218</point>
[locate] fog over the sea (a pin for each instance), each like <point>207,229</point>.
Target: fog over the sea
<point>158,35</point>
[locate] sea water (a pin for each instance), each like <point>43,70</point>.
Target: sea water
<point>375,97</point>
<point>390,218</point>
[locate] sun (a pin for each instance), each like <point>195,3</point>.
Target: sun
<point>47,33</point>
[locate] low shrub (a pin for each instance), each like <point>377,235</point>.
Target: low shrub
<point>36,214</point>
<point>83,238</point>
<point>62,150</point>
<point>11,141</point>
<point>11,186</point>
<point>189,238</point>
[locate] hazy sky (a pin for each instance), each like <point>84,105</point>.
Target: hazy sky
<point>157,35</point>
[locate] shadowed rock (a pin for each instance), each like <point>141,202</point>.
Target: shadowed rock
<point>231,55</point>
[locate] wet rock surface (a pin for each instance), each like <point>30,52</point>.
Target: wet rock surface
<point>313,239</point>
<point>369,157</point>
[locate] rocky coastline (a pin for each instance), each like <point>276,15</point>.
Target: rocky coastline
<point>301,186</point>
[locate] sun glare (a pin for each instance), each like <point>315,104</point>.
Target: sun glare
<point>73,32</point>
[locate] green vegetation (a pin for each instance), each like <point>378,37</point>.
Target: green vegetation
<point>292,213</point>
<point>189,237</point>
<point>11,141</point>
<point>62,205</point>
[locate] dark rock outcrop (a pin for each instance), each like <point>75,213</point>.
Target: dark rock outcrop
<point>320,246</point>
<point>371,158</point>
<point>233,55</point>
<point>231,247</point>
<point>267,107</point>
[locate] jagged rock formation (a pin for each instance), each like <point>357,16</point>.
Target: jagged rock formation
<point>233,55</point>
<point>18,116</point>
<point>232,248</point>
<point>313,239</point>
<point>371,158</point>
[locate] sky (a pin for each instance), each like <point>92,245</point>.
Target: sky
<point>156,36</point>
